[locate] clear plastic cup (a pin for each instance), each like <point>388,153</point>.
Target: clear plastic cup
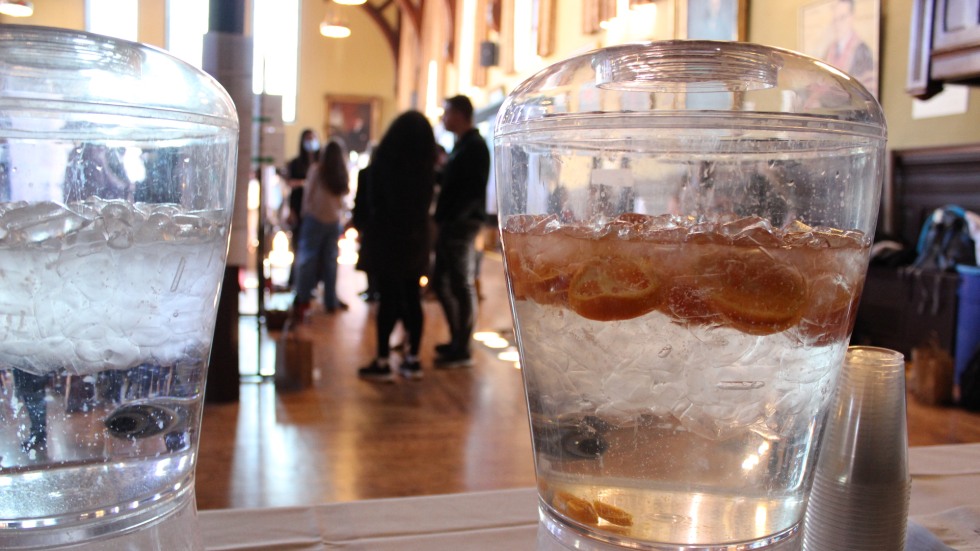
<point>860,495</point>
<point>686,228</point>
<point>117,179</point>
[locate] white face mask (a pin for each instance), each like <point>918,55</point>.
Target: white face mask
<point>311,145</point>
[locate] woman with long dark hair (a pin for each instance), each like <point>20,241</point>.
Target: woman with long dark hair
<point>402,177</point>
<point>296,172</point>
<point>323,195</point>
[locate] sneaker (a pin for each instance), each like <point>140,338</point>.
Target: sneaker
<point>453,360</point>
<point>444,349</point>
<point>376,372</point>
<point>37,442</point>
<point>411,370</point>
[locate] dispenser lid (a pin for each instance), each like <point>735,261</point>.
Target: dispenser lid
<point>49,70</point>
<point>694,83</point>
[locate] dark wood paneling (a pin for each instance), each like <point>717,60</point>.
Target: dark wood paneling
<point>929,178</point>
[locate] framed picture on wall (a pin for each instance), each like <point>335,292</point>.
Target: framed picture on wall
<point>352,119</point>
<point>845,34</point>
<point>712,19</point>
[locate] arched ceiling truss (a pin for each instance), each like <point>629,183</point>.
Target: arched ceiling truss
<point>389,22</point>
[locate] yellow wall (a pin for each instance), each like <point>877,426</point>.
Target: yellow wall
<point>570,40</point>
<point>69,14</point>
<point>363,65</point>
<point>152,27</point>
<point>774,22</point>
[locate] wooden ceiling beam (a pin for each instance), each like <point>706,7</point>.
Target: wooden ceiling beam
<point>389,32</point>
<point>413,13</point>
<point>451,34</point>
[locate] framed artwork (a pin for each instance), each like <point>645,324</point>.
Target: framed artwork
<point>712,19</point>
<point>845,34</point>
<point>352,119</point>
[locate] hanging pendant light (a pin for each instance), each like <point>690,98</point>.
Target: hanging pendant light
<point>17,8</point>
<point>332,25</point>
<point>334,29</point>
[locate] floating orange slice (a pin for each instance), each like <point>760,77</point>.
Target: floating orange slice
<point>546,283</point>
<point>686,304</point>
<point>759,295</point>
<point>613,289</point>
<point>612,514</point>
<point>574,508</point>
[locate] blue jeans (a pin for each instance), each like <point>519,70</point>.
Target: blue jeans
<point>317,261</point>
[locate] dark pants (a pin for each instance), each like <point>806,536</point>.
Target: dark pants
<point>453,281</point>
<point>31,389</point>
<point>399,299</point>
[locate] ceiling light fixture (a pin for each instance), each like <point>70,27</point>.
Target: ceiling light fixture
<point>332,26</point>
<point>17,8</point>
<point>350,2</point>
<point>334,29</point>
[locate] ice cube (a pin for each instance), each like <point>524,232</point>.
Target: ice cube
<point>752,230</point>
<point>117,219</point>
<point>532,224</point>
<point>40,221</point>
<point>746,224</point>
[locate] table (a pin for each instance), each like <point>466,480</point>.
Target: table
<point>945,500</point>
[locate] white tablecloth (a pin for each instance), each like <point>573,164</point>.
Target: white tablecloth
<point>945,500</point>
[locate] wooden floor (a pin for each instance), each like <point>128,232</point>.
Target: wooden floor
<point>454,431</point>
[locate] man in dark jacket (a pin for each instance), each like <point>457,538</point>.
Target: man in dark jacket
<point>459,216</point>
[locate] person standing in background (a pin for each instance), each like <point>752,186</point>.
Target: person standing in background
<point>402,177</point>
<point>360,218</point>
<point>296,172</point>
<point>459,216</point>
<point>323,205</point>
<point>31,390</point>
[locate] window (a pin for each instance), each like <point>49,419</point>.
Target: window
<point>117,18</point>
<point>275,38</point>
<point>526,59</point>
<point>187,23</point>
<point>275,51</point>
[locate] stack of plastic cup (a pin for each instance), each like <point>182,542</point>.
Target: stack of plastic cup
<point>860,495</point>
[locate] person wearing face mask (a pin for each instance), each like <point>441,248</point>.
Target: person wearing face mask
<point>323,206</point>
<point>296,172</point>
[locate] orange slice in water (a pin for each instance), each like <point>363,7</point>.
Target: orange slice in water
<point>759,295</point>
<point>613,289</point>
<point>574,508</point>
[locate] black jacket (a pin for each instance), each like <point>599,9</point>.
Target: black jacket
<point>398,226</point>
<point>463,190</point>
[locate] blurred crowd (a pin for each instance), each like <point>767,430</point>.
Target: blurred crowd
<point>417,211</point>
